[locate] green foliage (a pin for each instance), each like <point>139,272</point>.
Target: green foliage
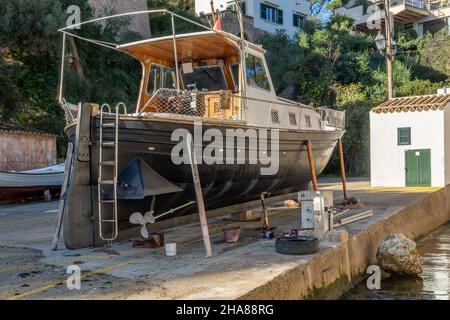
<point>419,87</point>
<point>30,48</point>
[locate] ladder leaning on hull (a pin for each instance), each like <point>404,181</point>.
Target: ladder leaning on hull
<point>110,219</point>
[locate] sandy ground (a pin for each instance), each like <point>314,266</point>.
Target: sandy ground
<point>30,270</point>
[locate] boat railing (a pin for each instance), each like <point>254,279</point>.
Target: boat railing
<point>222,104</point>
<point>332,118</point>
<point>70,111</point>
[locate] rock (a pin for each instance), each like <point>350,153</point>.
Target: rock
<point>398,254</point>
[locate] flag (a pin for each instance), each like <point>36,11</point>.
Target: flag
<point>218,24</point>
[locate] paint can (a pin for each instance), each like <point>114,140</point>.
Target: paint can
<point>232,234</point>
<point>171,249</point>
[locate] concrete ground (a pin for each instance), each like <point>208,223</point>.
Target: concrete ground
<point>30,270</point>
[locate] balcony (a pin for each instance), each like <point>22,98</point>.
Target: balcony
<point>403,11</point>
<point>409,10</point>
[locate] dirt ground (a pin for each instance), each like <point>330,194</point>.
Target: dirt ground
<point>30,270</point>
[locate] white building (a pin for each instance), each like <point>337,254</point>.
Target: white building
<point>410,142</point>
<point>421,15</point>
<point>269,16</point>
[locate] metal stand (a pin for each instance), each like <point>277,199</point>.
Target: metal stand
<point>312,167</point>
<point>62,200</point>
<point>265,213</point>
<point>199,196</point>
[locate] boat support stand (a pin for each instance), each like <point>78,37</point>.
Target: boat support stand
<point>62,200</point>
<point>199,196</point>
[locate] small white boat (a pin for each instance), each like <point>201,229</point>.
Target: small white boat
<point>15,185</point>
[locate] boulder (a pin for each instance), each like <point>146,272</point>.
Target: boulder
<point>398,254</point>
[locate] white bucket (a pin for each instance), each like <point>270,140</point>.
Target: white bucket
<point>171,249</point>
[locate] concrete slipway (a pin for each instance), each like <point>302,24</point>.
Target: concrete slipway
<point>248,270</point>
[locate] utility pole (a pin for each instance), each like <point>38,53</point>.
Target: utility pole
<point>389,55</point>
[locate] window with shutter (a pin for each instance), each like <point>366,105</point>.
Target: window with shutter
<point>280,16</point>
<point>263,11</point>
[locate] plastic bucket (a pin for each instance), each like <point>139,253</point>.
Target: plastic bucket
<point>232,234</point>
<point>171,249</point>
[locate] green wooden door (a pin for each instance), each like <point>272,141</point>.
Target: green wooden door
<point>418,168</point>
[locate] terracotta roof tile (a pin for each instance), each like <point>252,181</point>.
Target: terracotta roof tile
<point>416,103</point>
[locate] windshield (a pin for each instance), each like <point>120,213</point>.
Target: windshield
<point>160,77</point>
<point>210,78</point>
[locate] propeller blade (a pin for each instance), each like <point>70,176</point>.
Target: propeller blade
<point>137,218</point>
<point>144,232</point>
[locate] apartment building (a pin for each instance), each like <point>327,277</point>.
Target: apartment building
<point>261,16</point>
<point>420,15</point>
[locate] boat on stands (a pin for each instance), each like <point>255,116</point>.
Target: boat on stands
<point>197,90</point>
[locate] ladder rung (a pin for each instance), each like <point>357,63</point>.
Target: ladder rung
<point>110,221</point>
<point>107,201</point>
<point>106,182</point>
<point>108,163</point>
<point>108,144</point>
<point>108,125</point>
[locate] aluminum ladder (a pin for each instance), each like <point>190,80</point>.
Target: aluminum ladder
<point>110,219</point>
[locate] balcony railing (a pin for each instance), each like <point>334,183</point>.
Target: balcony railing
<point>419,4</point>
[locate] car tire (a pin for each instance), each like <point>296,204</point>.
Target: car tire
<point>297,245</point>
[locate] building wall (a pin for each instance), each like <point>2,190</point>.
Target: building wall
<point>366,20</point>
<point>25,151</point>
<point>288,7</point>
<point>253,9</point>
<point>447,143</point>
<point>139,23</point>
<point>387,159</point>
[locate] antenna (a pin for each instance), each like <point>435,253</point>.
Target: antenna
<point>213,12</point>
<point>241,19</point>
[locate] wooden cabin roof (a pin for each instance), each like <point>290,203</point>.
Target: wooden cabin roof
<point>194,46</point>
<point>414,103</point>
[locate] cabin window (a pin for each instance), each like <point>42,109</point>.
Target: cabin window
<point>205,78</point>
<point>403,136</point>
<point>292,119</point>
<point>234,68</point>
<point>160,77</point>
<point>275,116</point>
<point>256,73</point>
<point>271,14</point>
<point>308,121</point>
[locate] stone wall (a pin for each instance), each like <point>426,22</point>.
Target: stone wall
<point>140,23</point>
<point>20,150</point>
